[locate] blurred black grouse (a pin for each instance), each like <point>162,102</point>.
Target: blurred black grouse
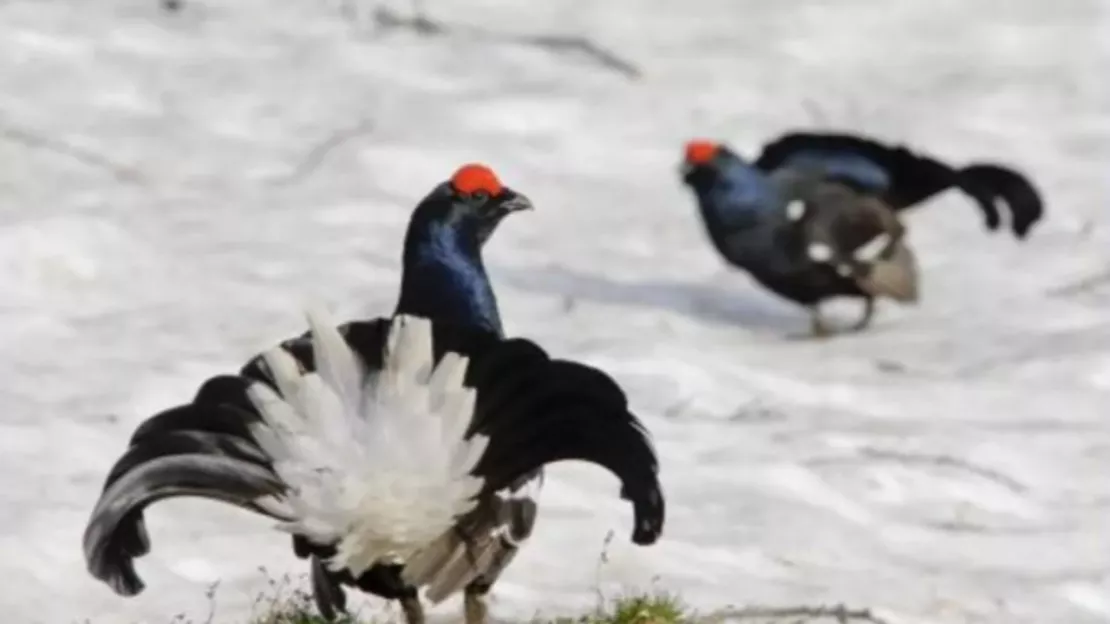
<point>816,215</point>
<point>402,453</point>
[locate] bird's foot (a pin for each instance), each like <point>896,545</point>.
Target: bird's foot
<point>477,612</point>
<point>329,596</point>
<point>868,313</point>
<point>817,325</point>
<point>414,611</point>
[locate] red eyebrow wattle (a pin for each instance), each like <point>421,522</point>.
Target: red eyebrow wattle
<point>476,177</point>
<point>700,151</point>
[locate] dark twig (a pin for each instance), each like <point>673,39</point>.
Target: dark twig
<point>210,594</point>
<point>602,561</point>
<point>421,24</point>
<point>83,156</point>
<point>315,157</point>
<point>570,43</point>
<point>842,614</point>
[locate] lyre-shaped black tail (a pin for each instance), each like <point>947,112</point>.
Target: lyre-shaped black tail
<point>996,183</point>
<point>914,178</point>
<point>202,448</point>
<point>178,463</point>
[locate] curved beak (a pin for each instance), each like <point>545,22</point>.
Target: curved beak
<point>690,171</point>
<point>508,202</point>
<point>513,201</point>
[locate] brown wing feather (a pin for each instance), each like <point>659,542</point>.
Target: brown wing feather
<point>848,221</point>
<point>894,277</point>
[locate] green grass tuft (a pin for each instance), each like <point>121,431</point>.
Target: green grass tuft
<point>637,609</point>
<point>287,604</point>
<point>295,606</point>
<point>290,605</point>
<point>655,609</point>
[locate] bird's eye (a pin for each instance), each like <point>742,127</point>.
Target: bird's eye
<point>479,196</point>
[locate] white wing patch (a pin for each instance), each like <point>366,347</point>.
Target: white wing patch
<point>795,210</point>
<point>869,251</point>
<point>819,252</point>
<point>374,460</point>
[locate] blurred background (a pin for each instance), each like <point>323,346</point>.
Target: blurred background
<point>176,186</point>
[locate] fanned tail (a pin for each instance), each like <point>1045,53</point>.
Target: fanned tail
<point>376,459</point>
<point>364,454</point>
<point>989,183</point>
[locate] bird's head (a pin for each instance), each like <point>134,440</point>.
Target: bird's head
<point>702,162</point>
<point>472,202</point>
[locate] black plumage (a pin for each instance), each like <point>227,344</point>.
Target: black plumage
<point>903,178</point>
<point>817,216</point>
<point>535,410</point>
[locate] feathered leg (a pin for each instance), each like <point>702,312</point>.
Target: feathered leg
<point>868,313</point>
<point>817,324</point>
<point>474,607</point>
<point>414,611</point>
<point>476,610</point>
<point>330,598</point>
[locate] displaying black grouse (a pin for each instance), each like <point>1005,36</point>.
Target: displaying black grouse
<point>397,451</point>
<point>816,216</point>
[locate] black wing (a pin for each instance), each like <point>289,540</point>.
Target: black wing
<point>537,411</point>
<point>904,178</point>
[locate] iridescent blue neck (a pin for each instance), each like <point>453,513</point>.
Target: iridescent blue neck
<point>740,196</point>
<point>444,279</point>
<point>744,215</point>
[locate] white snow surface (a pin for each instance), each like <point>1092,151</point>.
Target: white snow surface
<point>950,465</point>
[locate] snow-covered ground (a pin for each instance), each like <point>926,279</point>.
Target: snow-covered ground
<point>162,218</point>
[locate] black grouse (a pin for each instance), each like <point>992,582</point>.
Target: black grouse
<point>817,216</point>
<point>401,453</point>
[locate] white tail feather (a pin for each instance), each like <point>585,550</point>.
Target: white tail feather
<point>375,461</point>
<point>869,251</point>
